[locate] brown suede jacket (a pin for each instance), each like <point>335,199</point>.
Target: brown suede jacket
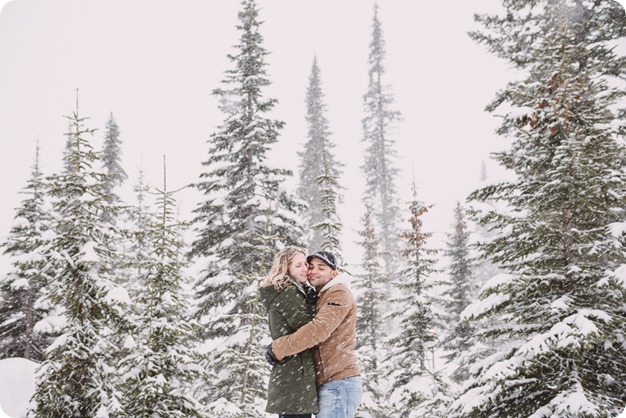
<point>333,331</point>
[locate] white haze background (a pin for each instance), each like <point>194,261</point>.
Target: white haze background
<point>154,64</point>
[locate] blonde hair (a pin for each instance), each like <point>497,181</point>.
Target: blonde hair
<point>279,273</point>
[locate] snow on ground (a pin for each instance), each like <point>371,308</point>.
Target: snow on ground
<point>17,385</point>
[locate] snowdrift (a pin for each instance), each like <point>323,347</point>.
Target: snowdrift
<point>17,385</point>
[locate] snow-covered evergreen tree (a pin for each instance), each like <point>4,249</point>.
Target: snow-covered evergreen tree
<point>243,205</point>
<point>372,296</point>
<point>21,290</point>
<point>241,366</point>
<point>69,143</point>
<point>77,378</point>
<point>138,247</point>
<point>460,292</point>
<point>319,172</point>
<point>159,372</point>
<point>559,328</point>
<point>483,270</point>
<point>330,225</point>
<point>135,253</point>
<point>111,155</point>
<point>435,396</point>
<point>379,168</point>
<point>111,162</point>
<point>410,374</point>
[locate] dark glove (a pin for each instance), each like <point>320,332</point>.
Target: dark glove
<point>311,294</point>
<point>270,357</point>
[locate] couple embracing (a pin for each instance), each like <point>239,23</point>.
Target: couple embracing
<point>312,320</point>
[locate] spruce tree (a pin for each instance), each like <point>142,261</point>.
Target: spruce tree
<point>140,218</point>
<point>372,296</point>
<point>319,172</point>
<point>460,292</point>
<point>330,225</point>
<point>69,143</point>
<point>21,290</point>
<point>111,155</point>
<point>484,269</point>
<point>163,363</point>
<point>558,312</point>
<point>410,373</point>
<point>241,367</point>
<point>77,377</point>
<point>111,163</point>
<point>243,204</point>
<point>435,399</point>
<point>379,167</point>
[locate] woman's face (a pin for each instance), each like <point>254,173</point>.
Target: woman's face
<point>298,267</point>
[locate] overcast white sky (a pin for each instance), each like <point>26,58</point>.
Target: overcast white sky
<point>153,63</point>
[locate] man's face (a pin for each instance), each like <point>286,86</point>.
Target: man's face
<point>320,273</point>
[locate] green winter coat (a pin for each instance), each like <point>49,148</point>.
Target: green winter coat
<point>292,389</point>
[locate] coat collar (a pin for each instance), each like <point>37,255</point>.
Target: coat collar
<point>341,278</point>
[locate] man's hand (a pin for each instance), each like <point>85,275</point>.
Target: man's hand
<point>270,357</point>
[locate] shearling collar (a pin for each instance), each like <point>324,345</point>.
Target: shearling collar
<point>341,278</point>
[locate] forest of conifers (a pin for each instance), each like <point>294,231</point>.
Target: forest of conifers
<point>522,314</point>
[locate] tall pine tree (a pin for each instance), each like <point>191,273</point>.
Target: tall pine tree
<point>111,162</point>
<point>460,292</point>
<point>319,172</point>
<point>69,143</point>
<point>372,295</point>
<point>484,269</point>
<point>139,248</point>
<point>330,225</point>
<point>242,367</point>
<point>244,204</point>
<point>411,376</point>
<point>379,168</point>
<point>558,314</point>
<point>111,155</point>
<point>163,363</point>
<point>22,289</point>
<point>78,376</point>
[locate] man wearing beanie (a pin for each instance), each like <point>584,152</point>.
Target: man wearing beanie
<point>333,334</point>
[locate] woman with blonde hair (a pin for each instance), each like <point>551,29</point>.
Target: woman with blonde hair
<point>290,303</point>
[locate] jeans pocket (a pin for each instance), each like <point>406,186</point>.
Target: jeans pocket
<point>329,400</point>
<point>340,399</point>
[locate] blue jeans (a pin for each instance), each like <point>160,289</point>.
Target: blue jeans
<point>340,398</point>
